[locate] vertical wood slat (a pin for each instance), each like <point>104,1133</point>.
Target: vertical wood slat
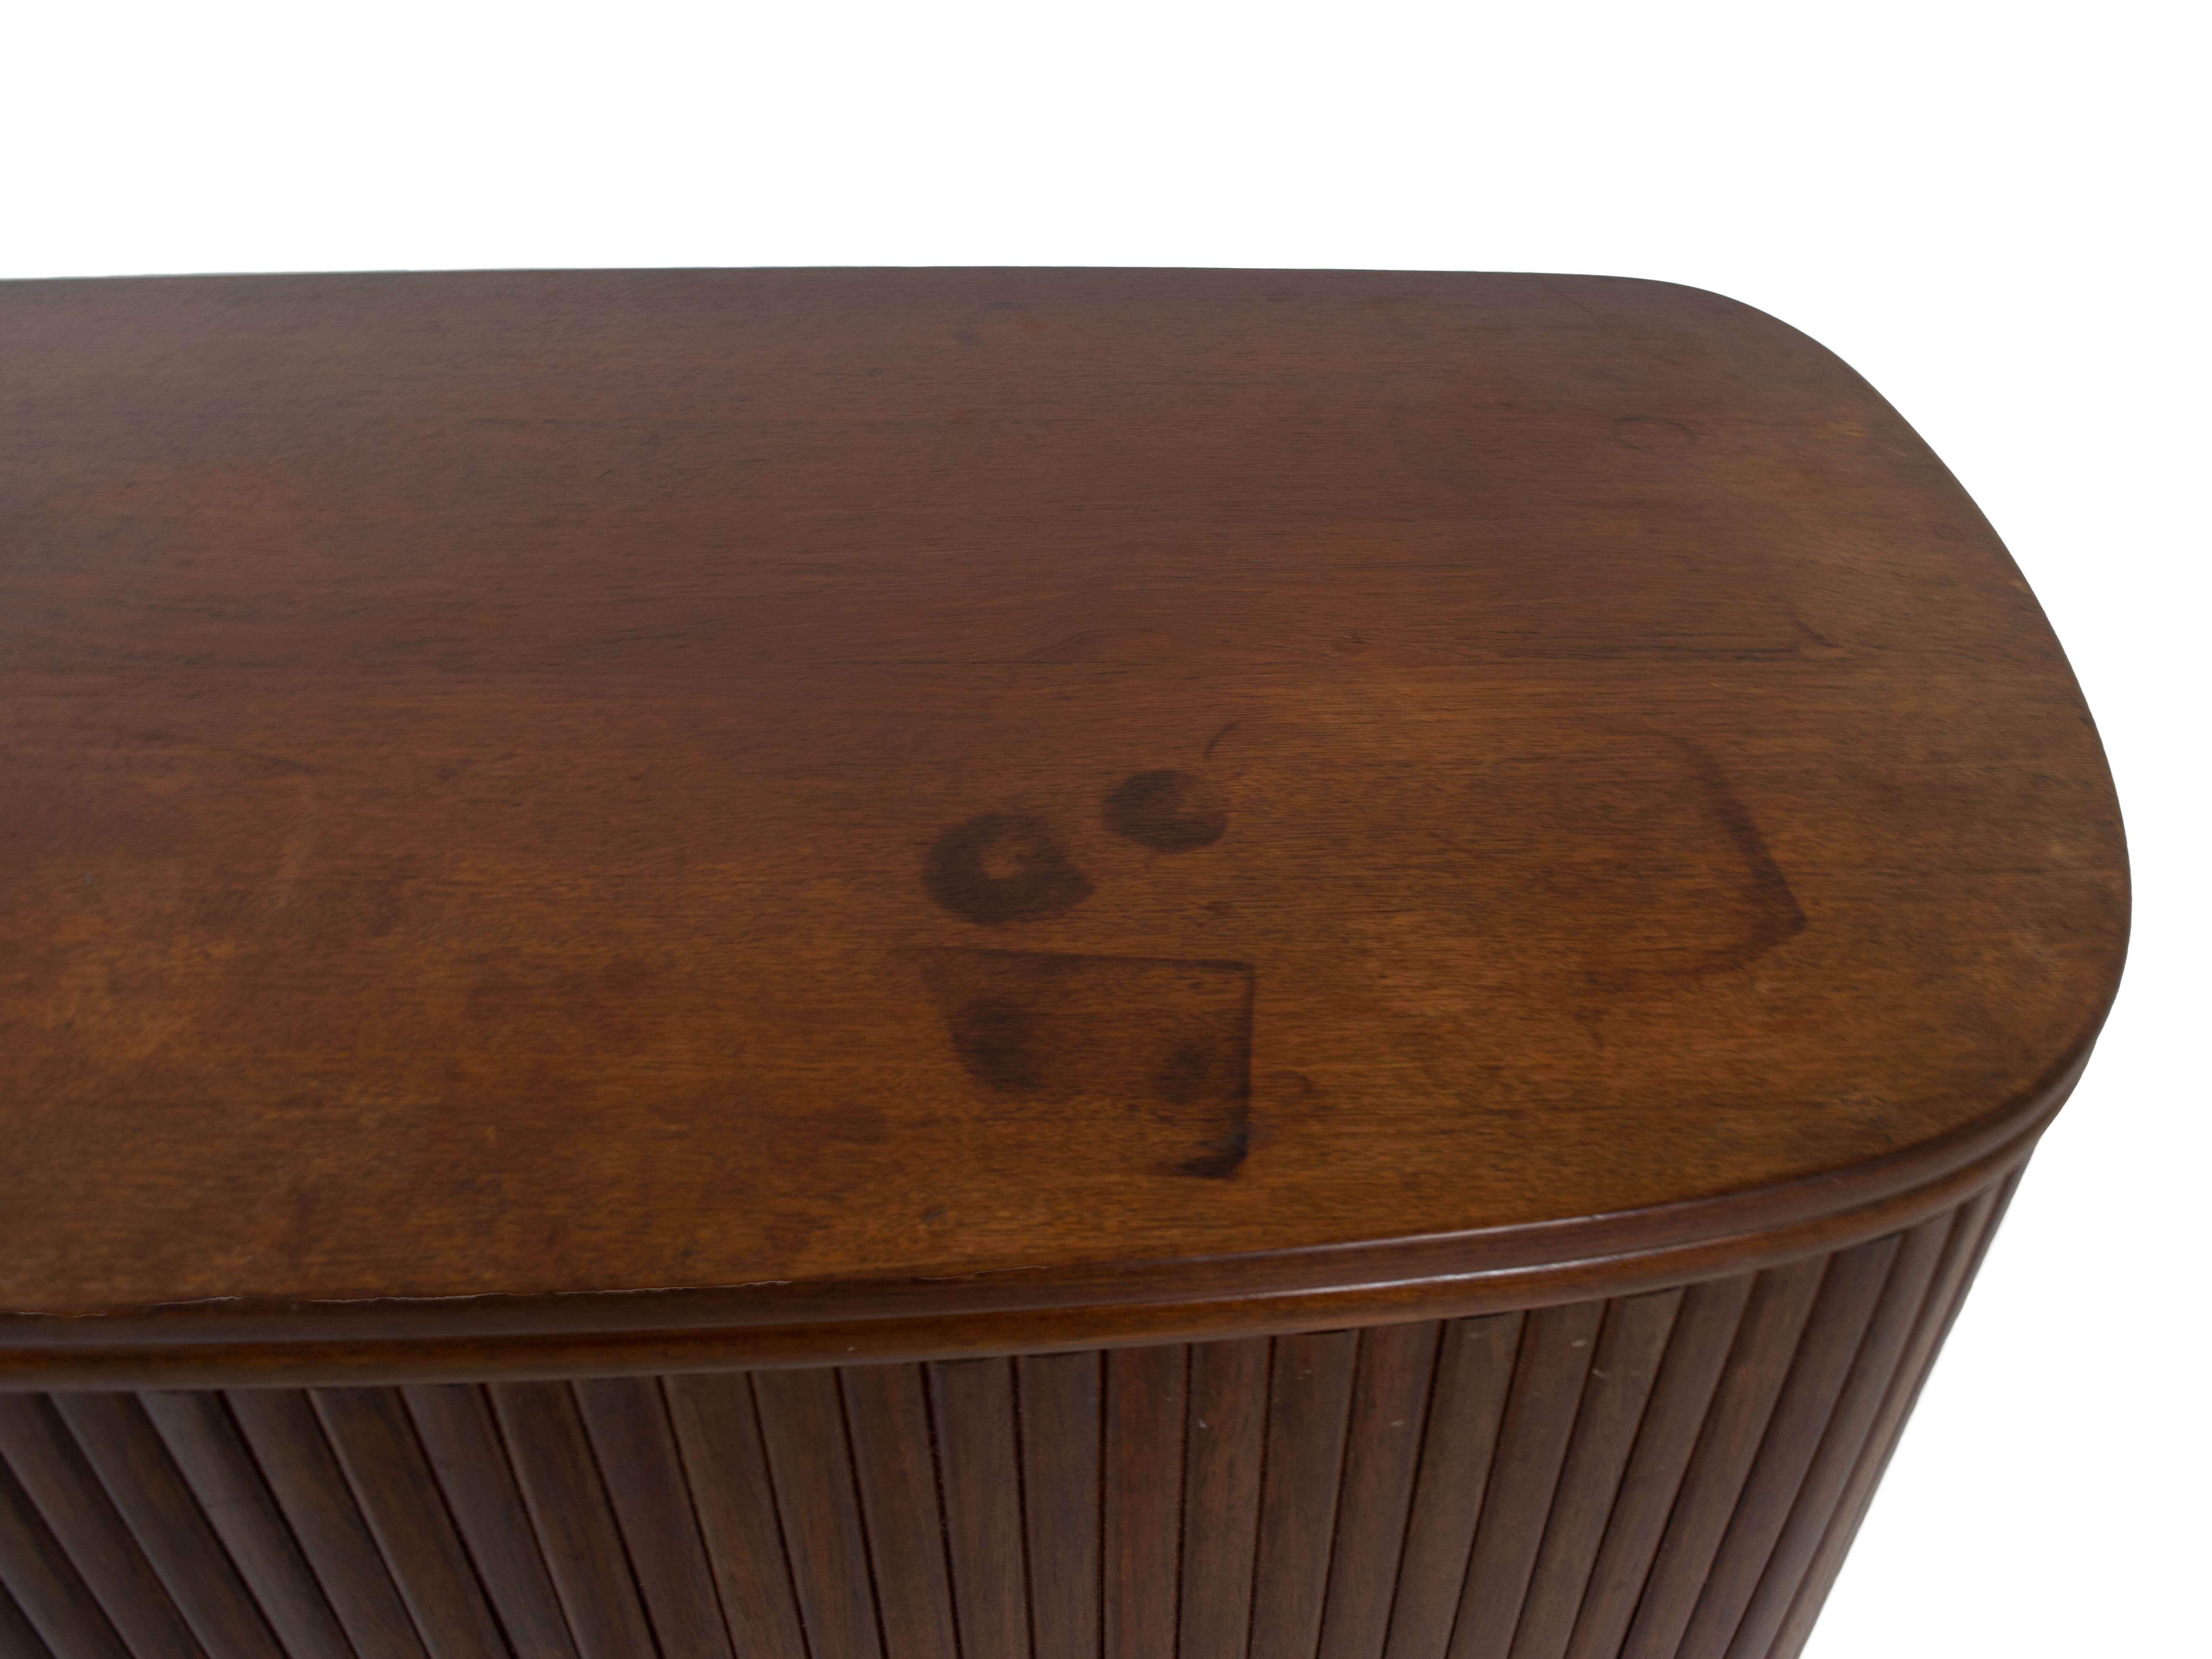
<point>1224,1434</point>
<point>627,1418</point>
<point>1475,1372</point>
<point>718,1435</point>
<point>551,1456</point>
<point>1309,1412</point>
<point>1557,1347</point>
<point>1970,1242</point>
<point>18,1639</point>
<point>1062,1406</point>
<point>61,1485</point>
<point>1382,1448</point>
<point>1704,1336</point>
<point>141,1481</point>
<point>895,1464</point>
<point>1833,1334</point>
<point>1141,1500</point>
<point>38,1577</point>
<point>210,1453</point>
<point>802,1421</point>
<point>369,1431</point>
<point>1623,1370</point>
<point>1845,1440</point>
<point>972,1402</point>
<point>287,1441</point>
<point>1781,1301</point>
<point>454,1422</point>
<point>1674,1475</point>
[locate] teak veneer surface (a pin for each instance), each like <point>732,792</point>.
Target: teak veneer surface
<point>956,798</point>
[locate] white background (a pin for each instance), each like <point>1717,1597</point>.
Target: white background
<point>1991,211</point>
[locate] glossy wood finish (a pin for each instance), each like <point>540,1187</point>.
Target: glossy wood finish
<point>791,817</point>
<point>1674,1475</point>
<point>989,965</point>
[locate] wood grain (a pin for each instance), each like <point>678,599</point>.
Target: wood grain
<point>43,1583</point>
<point>1833,1333</point>
<point>1759,1365</point>
<point>1142,1498</point>
<point>1623,1371</point>
<point>576,1526</point>
<point>1971,1235</point>
<point>215,1462</point>
<point>978,1433</point>
<point>628,1421</point>
<point>57,1480</point>
<point>281,1427</point>
<point>1557,1347</point>
<point>1674,1474</point>
<point>18,1638</point>
<point>1063,1429</point>
<point>895,1464</point>
<point>1475,1375</point>
<point>718,1432</point>
<point>994,965</point>
<point>1697,1356</point>
<point>1382,1449</point>
<point>462,1442</point>
<point>792,818</point>
<point>375,1443</point>
<point>1903,1295</point>
<point>1224,1443</point>
<point>1309,1412</point>
<point>141,1479</point>
<point>810,1459</point>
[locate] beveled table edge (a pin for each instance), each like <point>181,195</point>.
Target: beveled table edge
<point>235,1342</point>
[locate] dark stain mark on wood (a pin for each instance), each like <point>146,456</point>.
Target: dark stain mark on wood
<point>1221,1159</point>
<point>1653,871</point>
<point>1001,868</point>
<point>1168,811</point>
<point>1160,1047</point>
<point>994,1038</point>
<point>1184,1078</point>
<point>1776,913</point>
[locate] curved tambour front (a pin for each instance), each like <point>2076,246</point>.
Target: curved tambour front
<point>1673,1475</point>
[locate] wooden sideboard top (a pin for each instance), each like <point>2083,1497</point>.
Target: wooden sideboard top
<point>824,797</point>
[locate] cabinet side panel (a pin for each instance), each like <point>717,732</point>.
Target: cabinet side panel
<point>143,1481</point>
<point>1970,1241</point>
<point>216,1464</point>
<point>1142,1498</point>
<point>718,1434</point>
<point>459,1435</point>
<point>1675,1474</point>
<point>1630,1348</point>
<point>1063,1428</point>
<point>287,1441</point>
<point>627,1419</point>
<point>1383,1447</point>
<point>568,1509</point>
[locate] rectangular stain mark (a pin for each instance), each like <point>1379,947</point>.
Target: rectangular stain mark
<point>1163,1043</point>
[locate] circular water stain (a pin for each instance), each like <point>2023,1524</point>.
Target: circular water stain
<point>1168,811</point>
<point>1001,868</point>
